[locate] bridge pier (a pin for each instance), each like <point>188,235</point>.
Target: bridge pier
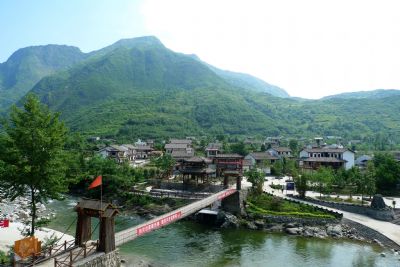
<point>234,203</point>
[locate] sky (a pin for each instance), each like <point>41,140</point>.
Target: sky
<point>310,48</point>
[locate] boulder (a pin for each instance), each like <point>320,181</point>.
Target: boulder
<point>275,227</point>
<point>251,225</point>
<point>334,230</point>
<point>230,221</point>
<point>378,202</point>
<point>291,225</point>
<point>259,224</point>
<point>293,231</point>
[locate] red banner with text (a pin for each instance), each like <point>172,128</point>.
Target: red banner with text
<point>159,223</point>
<point>226,193</point>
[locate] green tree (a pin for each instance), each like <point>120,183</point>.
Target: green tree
<point>165,164</point>
<point>256,178</point>
<point>32,156</point>
<point>289,167</point>
<point>301,182</point>
<point>277,168</point>
<point>387,171</point>
<point>354,180</point>
<point>263,148</point>
<point>239,148</point>
<point>367,183</point>
<point>323,177</point>
<point>293,145</point>
<point>370,179</point>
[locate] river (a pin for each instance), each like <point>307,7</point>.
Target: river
<point>187,243</point>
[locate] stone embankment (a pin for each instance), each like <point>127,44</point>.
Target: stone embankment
<point>384,214</point>
<point>308,227</point>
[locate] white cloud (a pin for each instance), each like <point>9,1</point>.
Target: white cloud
<point>311,48</point>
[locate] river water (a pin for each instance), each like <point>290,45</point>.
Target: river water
<point>187,243</point>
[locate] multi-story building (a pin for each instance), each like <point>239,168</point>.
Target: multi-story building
<point>335,157</point>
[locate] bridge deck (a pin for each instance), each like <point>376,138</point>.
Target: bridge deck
<point>165,219</point>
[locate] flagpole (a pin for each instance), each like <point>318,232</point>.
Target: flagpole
<point>101,195</point>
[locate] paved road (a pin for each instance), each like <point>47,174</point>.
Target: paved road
<point>392,231</point>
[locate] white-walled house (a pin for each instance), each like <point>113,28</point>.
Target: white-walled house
<point>334,157</point>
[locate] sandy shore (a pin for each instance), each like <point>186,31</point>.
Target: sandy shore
<point>11,234</point>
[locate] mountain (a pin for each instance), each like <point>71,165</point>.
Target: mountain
<point>246,81</point>
<point>140,88</point>
<point>379,93</point>
<point>28,65</point>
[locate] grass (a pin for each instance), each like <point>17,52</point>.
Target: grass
<point>341,200</point>
<point>270,205</point>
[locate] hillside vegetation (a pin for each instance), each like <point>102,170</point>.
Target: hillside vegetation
<point>139,88</point>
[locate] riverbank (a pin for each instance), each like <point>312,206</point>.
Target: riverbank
<point>13,233</point>
<point>17,212</point>
<point>186,243</point>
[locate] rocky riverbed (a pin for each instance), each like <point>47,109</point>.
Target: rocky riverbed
<point>297,226</point>
<point>18,210</point>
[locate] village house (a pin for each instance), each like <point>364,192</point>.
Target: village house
<point>115,152</point>
<point>362,161</point>
<point>169,148</point>
<point>213,149</point>
<point>272,141</point>
<point>280,152</point>
<point>131,155</point>
<point>181,141</point>
<point>150,143</point>
<point>143,152</point>
<point>334,156</point>
<point>179,149</point>
<point>262,160</point>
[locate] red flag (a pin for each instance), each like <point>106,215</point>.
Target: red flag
<point>4,223</point>
<point>96,182</point>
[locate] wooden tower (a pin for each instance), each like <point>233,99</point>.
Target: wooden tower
<point>88,208</point>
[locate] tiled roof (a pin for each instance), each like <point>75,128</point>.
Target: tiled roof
<point>129,146</point>
<point>282,149</point>
<point>116,148</point>
<point>172,146</point>
<point>214,146</point>
<point>234,155</point>
<point>326,149</point>
<point>181,141</point>
<point>143,148</point>
<point>182,154</point>
<point>262,156</point>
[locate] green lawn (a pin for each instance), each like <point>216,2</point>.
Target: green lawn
<point>271,205</point>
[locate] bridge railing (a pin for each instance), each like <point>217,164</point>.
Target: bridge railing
<point>163,220</point>
<point>88,248</point>
<point>160,193</point>
<point>48,253</point>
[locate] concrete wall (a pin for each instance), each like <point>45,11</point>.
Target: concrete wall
<point>234,203</point>
<point>100,260</point>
